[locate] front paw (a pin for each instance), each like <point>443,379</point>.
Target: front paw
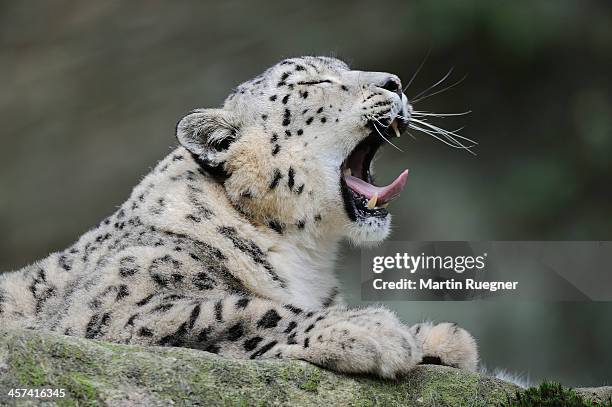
<point>363,341</point>
<point>447,344</point>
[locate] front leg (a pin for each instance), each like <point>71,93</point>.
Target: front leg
<point>370,340</point>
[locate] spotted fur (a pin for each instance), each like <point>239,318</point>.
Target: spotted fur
<point>228,245</point>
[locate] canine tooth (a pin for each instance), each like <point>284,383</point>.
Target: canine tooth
<point>372,202</point>
<point>394,127</point>
<point>347,171</point>
<point>384,206</point>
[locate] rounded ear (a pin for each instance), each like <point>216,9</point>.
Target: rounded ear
<point>206,132</point>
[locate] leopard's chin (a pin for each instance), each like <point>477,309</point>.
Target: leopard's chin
<point>369,232</point>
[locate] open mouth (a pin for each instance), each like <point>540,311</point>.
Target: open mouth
<point>363,199</point>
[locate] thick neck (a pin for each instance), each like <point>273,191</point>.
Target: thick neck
<point>307,265</point>
<point>305,258</point>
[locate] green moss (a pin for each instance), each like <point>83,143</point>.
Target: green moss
<point>81,388</point>
<point>551,394</point>
<point>385,393</point>
<point>312,382</point>
<point>97,373</point>
<point>29,371</point>
<point>449,391</point>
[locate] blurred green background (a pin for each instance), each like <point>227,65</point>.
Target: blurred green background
<point>91,91</point>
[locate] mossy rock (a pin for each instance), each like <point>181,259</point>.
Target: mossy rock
<point>95,373</point>
<point>551,394</point>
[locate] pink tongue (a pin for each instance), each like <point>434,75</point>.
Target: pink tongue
<point>385,194</point>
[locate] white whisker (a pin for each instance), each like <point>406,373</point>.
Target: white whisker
<point>452,145</point>
<point>421,113</point>
<point>444,131</point>
<point>432,134</point>
<point>418,70</point>
<point>415,98</point>
<point>411,135</point>
<point>418,118</point>
<point>440,130</point>
<point>448,137</point>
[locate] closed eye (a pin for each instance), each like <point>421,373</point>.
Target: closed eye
<point>315,82</point>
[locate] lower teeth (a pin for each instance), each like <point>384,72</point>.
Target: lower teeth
<point>372,202</point>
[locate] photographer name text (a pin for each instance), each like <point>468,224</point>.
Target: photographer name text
<point>422,263</point>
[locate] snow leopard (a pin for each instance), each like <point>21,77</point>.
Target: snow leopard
<point>229,244</point>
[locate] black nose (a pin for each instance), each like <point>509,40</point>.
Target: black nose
<point>393,84</point>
